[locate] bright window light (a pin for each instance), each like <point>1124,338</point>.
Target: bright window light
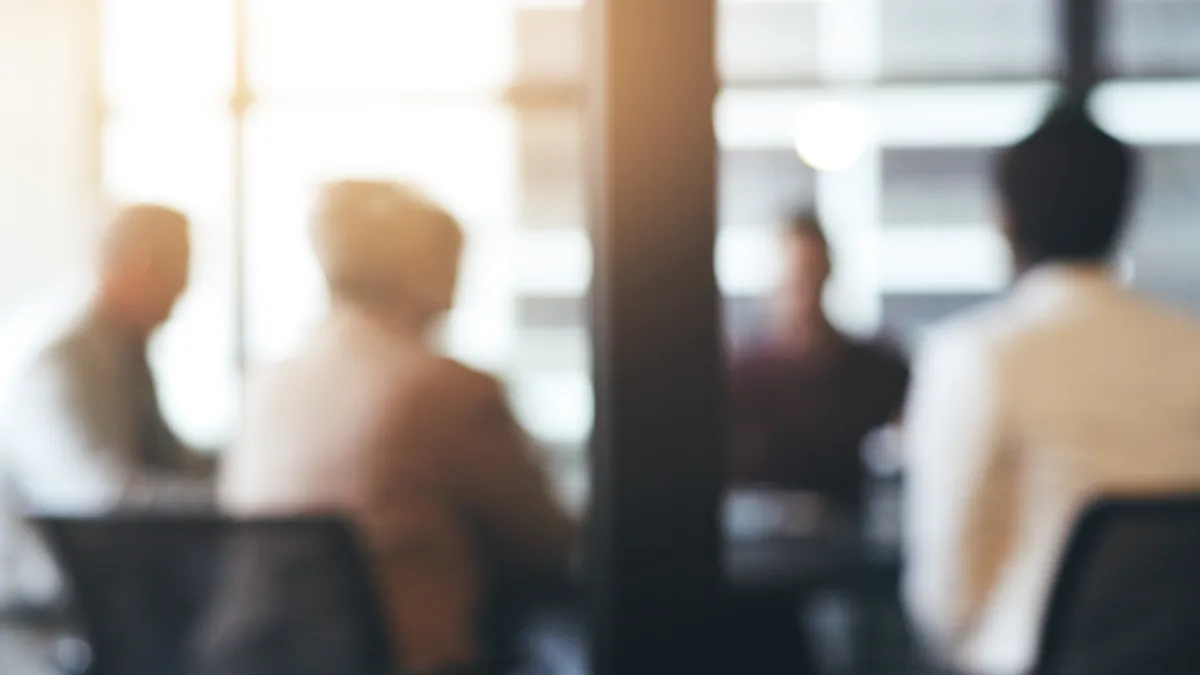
<point>377,89</point>
<point>183,158</point>
<point>831,136</point>
<point>322,47</point>
<point>157,51</point>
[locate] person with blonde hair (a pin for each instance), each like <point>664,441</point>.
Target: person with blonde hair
<point>371,421</point>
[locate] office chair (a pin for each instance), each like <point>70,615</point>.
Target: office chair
<point>204,595</point>
<point>1127,597</point>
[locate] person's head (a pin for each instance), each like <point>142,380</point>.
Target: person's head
<point>388,247</point>
<point>145,258</point>
<point>807,265</point>
<point>1065,190</point>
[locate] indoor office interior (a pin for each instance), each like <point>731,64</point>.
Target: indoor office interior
<point>641,191</point>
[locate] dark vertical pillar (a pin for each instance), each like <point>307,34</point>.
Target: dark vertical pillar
<point>1081,43</point>
<point>654,566</point>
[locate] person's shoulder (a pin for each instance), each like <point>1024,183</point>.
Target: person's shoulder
<point>753,368</point>
<point>988,322</point>
<point>1163,316</point>
<point>82,350</point>
<point>265,383</point>
<point>464,408</point>
<point>459,383</point>
<point>65,345</point>
<point>1159,326</point>
<point>756,356</point>
<point>967,340</point>
<point>58,378</point>
<point>884,362</point>
<point>67,355</point>
<point>883,350</point>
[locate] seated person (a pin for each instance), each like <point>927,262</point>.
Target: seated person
<point>1026,409</point>
<point>804,400</point>
<point>84,432</point>
<point>369,420</point>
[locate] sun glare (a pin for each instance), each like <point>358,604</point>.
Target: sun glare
<point>375,47</point>
<point>831,136</point>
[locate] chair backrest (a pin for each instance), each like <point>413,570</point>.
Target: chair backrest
<point>1127,598</point>
<point>200,595</point>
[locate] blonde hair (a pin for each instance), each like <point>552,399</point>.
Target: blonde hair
<point>367,233</point>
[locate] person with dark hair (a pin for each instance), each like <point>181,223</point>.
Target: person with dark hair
<point>1022,411</point>
<point>1065,191</point>
<point>84,431</point>
<point>805,398</point>
<point>369,420</point>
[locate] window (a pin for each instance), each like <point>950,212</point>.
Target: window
<point>760,184</point>
<point>936,186</point>
<point>1160,250</point>
<point>551,167</point>
<point>768,40</point>
<point>1154,37</point>
<point>939,83</point>
<point>413,91</point>
<point>943,83</point>
<point>966,39</point>
<point>909,314</point>
<point>168,73</point>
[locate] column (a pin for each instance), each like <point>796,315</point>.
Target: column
<point>654,573</point>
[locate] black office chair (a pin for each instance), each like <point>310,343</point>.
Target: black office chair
<point>1127,598</point>
<point>204,595</point>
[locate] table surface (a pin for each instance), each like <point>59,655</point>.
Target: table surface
<point>802,563</point>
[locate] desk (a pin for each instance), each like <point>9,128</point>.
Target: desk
<point>781,541</point>
<point>774,581</point>
<point>803,564</point>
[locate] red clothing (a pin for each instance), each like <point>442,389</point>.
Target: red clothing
<point>799,422</point>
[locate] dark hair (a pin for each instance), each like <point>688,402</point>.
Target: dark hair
<point>1066,188</point>
<point>806,223</point>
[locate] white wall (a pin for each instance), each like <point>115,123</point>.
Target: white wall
<point>48,122</point>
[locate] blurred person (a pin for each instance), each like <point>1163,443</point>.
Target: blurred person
<point>806,398</point>
<point>83,430</point>
<point>371,421</point>
<point>1068,388</point>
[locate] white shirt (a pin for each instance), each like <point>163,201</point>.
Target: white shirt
<point>1021,413</point>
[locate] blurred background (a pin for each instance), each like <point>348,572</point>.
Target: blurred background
<point>884,113</point>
